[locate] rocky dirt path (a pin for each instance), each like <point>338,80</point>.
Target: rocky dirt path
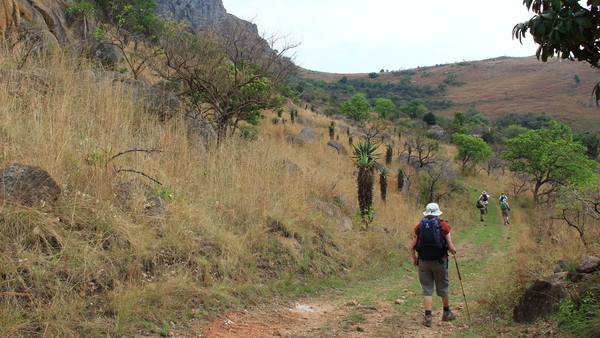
<point>318,317</point>
<point>390,306</point>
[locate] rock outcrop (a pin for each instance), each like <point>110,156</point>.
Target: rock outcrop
<point>195,12</point>
<point>30,186</point>
<point>199,14</point>
<point>46,18</point>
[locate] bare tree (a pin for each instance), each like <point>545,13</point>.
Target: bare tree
<point>422,148</point>
<point>228,73</point>
<point>578,207</point>
<point>520,182</point>
<point>439,180</point>
<point>375,130</point>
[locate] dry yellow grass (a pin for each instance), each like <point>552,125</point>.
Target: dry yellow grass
<point>240,224</point>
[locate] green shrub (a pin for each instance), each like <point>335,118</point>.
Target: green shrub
<point>581,317</point>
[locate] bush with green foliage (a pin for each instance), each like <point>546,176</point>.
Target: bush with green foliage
<point>430,119</point>
<point>551,157</point>
<point>526,120</point>
<point>470,149</point>
<point>580,316</point>
<point>357,108</point>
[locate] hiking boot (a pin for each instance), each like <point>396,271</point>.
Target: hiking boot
<point>448,316</point>
<point>507,222</point>
<point>427,320</point>
<point>482,220</point>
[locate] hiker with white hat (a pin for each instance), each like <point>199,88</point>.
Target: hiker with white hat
<point>432,241</point>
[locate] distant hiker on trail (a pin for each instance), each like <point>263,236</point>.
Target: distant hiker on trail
<point>486,197</point>
<point>432,241</point>
<point>481,206</point>
<point>502,198</point>
<point>505,207</point>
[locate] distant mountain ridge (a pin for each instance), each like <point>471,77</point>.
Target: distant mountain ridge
<point>504,85</point>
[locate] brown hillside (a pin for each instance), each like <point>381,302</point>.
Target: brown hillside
<point>500,86</point>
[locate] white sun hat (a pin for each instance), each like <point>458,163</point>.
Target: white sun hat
<point>432,209</point>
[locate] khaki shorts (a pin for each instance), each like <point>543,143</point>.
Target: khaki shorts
<point>434,273</point>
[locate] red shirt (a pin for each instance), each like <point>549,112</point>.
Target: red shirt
<point>445,230</point>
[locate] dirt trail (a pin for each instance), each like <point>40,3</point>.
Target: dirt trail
<point>313,318</point>
<point>385,307</point>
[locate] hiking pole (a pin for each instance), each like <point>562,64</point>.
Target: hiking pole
<point>461,286</point>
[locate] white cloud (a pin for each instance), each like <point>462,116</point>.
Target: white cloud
<point>352,36</point>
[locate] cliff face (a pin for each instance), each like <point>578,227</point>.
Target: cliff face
<point>194,12</point>
<point>199,13</point>
<point>48,18</point>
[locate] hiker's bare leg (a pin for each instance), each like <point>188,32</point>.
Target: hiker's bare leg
<point>428,303</point>
<point>446,301</point>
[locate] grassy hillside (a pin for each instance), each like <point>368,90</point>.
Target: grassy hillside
<point>500,86</point>
<point>241,228</point>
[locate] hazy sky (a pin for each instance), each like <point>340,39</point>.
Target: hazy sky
<point>362,36</point>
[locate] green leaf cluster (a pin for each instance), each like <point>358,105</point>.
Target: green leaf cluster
<point>470,149</point>
<point>565,28</point>
<point>551,157</point>
<point>357,108</point>
<point>364,154</point>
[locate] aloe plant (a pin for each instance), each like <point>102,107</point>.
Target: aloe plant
<point>389,153</point>
<point>365,159</point>
<point>400,179</point>
<point>383,175</point>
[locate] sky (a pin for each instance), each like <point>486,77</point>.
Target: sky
<point>363,36</point>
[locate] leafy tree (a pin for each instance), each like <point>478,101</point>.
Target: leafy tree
<point>564,28</point>
<point>134,16</point>
<point>459,118</point>
<point>415,108</point>
<point>384,107</point>
<point>551,157</point>
<point>514,131</point>
<point>430,119</point>
<point>475,116</point>
<point>373,75</point>
<point>470,149</point>
<point>84,9</point>
<point>228,74</point>
<point>357,108</point>
<point>488,136</point>
<point>590,141</point>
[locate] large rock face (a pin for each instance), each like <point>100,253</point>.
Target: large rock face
<point>201,13</point>
<point>194,12</point>
<point>47,17</point>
